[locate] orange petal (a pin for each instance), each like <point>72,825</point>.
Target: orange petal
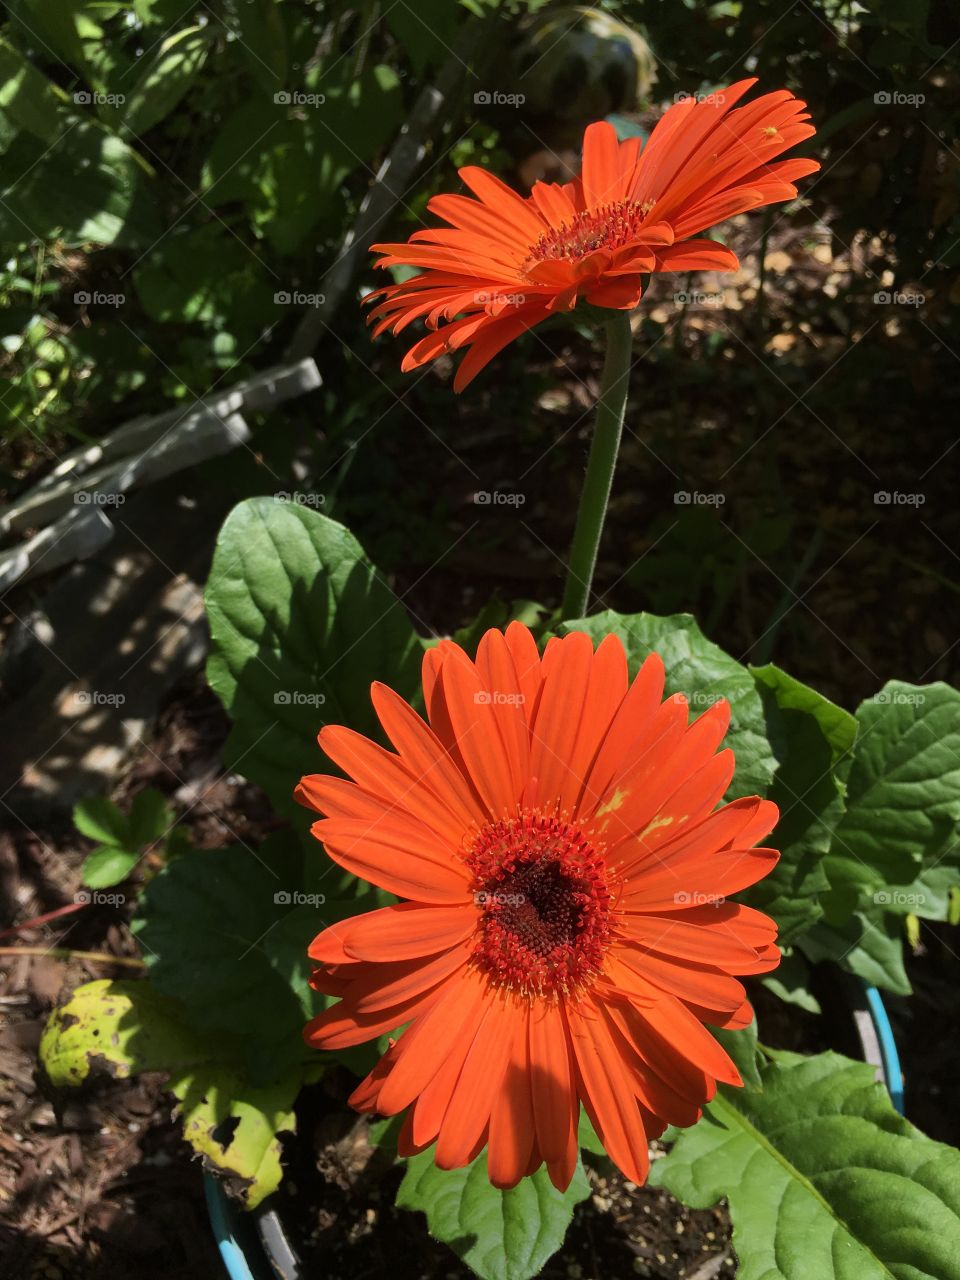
<point>384,985</point>
<point>632,721</point>
<point>555,1104</point>
<point>600,174</point>
<point>566,677</point>
<point>474,724</point>
<point>470,1107</point>
<point>512,1138</point>
<point>431,1042</point>
<point>607,1092</point>
<point>398,856</point>
<point>422,751</point>
<point>403,931</point>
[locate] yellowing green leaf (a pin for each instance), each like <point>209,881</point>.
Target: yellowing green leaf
<point>122,1028</point>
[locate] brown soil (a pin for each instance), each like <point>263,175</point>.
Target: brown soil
<point>338,1202</point>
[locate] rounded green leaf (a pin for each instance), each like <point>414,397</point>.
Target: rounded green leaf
<point>903,794</point>
<point>500,1235</point>
<point>107,866</point>
<point>823,1178</point>
<point>122,1028</point>
<point>301,624</point>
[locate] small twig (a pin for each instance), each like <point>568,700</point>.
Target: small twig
<point>68,953</point>
<point>44,919</point>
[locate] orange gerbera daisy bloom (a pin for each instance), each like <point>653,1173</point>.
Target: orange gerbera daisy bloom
<point>507,262</point>
<point>564,933</point>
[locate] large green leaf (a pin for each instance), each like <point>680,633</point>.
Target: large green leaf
<point>839,727</point>
<point>286,154</point>
<point>903,794</point>
<point>867,944</point>
<point>119,1029</point>
<point>87,185</point>
<point>225,931</point>
<point>175,285</point>
<point>823,1178</point>
<point>301,624</point>
<point>262,40</point>
<point>500,1235</point>
<point>703,672</point>
<point>424,31</point>
<point>52,27</point>
<point>28,98</point>
<point>814,739</point>
<point>167,76</point>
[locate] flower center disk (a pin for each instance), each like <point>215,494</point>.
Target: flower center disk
<point>544,901</point>
<point>610,226</point>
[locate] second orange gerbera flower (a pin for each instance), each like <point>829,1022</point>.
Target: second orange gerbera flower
<point>507,262</point>
<point>564,933</point>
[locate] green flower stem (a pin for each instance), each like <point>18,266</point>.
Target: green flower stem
<point>601,464</point>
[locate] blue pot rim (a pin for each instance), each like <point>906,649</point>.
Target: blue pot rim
<point>889,1057</point>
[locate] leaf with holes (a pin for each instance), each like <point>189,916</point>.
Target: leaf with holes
<point>118,1029</point>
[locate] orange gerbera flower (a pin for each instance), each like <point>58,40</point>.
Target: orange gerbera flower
<point>564,933</point>
<point>507,262</point>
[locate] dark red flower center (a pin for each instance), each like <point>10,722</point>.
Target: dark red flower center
<point>609,226</point>
<point>544,900</point>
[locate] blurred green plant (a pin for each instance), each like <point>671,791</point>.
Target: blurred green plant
<point>123,840</point>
